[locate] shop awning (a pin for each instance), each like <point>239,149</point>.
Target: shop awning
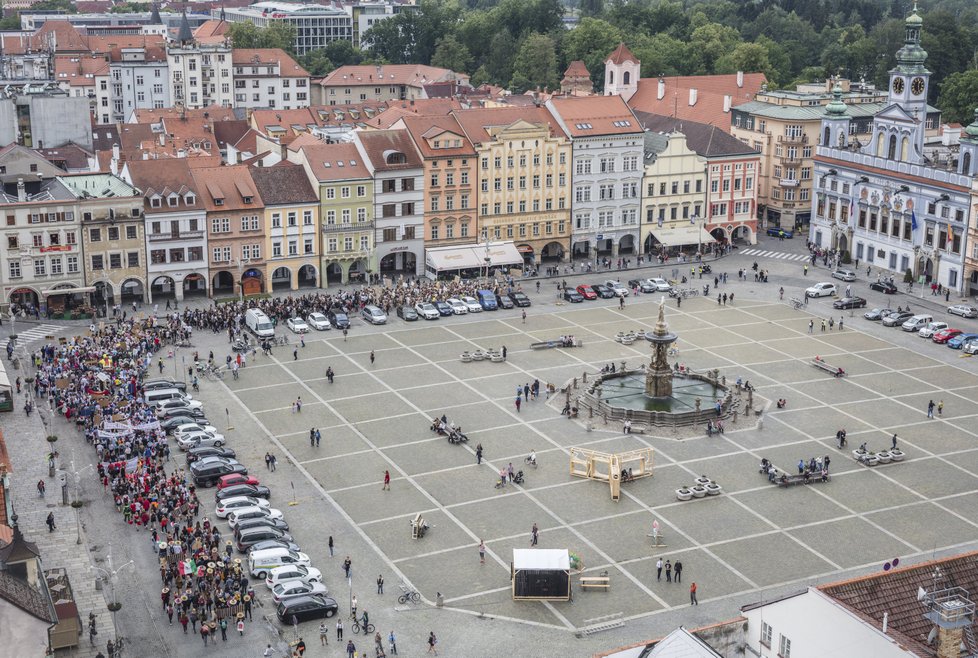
<point>682,235</point>
<point>67,291</point>
<point>444,259</point>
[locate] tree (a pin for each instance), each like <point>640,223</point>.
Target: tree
<point>708,44</point>
<point>535,64</point>
<point>393,39</point>
<point>959,96</point>
<point>591,41</point>
<point>452,55</point>
<point>317,63</point>
<point>660,54</point>
<point>502,53</point>
<point>591,7</point>
<point>278,35</point>
<point>745,57</point>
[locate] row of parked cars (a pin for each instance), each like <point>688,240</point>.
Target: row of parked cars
<point>613,288</point>
<point>937,331</point>
<point>258,529</point>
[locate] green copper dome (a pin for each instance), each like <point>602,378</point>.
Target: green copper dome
<point>972,129</point>
<point>911,57</point>
<point>836,106</point>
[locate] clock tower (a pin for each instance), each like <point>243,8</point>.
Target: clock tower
<point>899,129</point>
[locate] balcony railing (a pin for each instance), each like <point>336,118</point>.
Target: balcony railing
<point>347,227</point>
<point>790,160</point>
<point>182,235</point>
<point>793,139</point>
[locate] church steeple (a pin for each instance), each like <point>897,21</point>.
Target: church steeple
<point>185,35</point>
<point>155,18</point>
<point>911,57</point>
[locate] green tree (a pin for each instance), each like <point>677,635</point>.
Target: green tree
<point>535,64</point>
<point>277,35</point>
<point>450,54</point>
<point>748,57</point>
<point>591,41</point>
<point>317,63</point>
<point>707,45</point>
<point>502,54</point>
<point>393,39</point>
<point>959,96</point>
<point>660,54</point>
<point>342,52</point>
<point>591,7</point>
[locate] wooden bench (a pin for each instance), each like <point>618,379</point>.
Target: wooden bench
<point>595,582</point>
<point>822,365</point>
<point>800,479</point>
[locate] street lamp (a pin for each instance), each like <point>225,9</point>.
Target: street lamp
<point>241,263</point>
<point>76,503</point>
<point>112,576</point>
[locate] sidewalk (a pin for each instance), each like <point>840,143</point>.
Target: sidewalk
<point>27,447</point>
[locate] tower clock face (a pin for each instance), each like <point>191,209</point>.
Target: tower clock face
<point>917,86</point>
<point>898,85</point>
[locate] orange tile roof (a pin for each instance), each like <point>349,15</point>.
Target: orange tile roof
<point>421,106</point>
<point>622,54</point>
<point>228,183</point>
<point>79,71</point>
<point>211,112</point>
<point>413,75</point>
<point>150,53</point>
<point>422,127</point>
<point>288,67</point>
<point>104,44</point>
<point>577,69</point>
<point>162,177</point>
<point>212,31</point>
<point>475,122</point>
<point>378,143</point>
<point>590,116</point>
<point>58,35</point>
<point>710,92</point>
<point>324,161</point>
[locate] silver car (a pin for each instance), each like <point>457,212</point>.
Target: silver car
<point>964,310</point>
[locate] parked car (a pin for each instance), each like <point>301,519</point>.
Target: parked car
<point>260,521</point>
<point>201,452</point>
<point>236,490</point>
<point>661,285</point>
<point>293,572</point>
<point>338,318</point>
<point>163,407</point>
<point>373,314</point>
<point>617,287</point>
<point>964,310</point>
<point>970,347</point>
<point>208,473</point>
<point>232,479</point>
<point>458,307</point>
<point>190,414</point>
<point>844,275</point>
<point>931,329</point>
<point>960,340</point>
<point>306,608</point>
<point>291,589</point>
<point>427,310</point>
<point>849,302</point>
<point>602,291</point>
<point>472,304</point>
<point>407,313</point>
<point>821,290</point>
<point>297,325</point>
<point>573,296</point>
<point>199,440</point>
<point>644,285</point>
<point>586,291</point>
<point>917,322</point>
<point>944,335</point>
<point>876,314</point>
<point>266,544</point>
<point>318,321</point>
<point>778,232</point>
<point>228,505</point>
<point>884,287</point>
<point>502,301</point>
<point>443,308</point>
<point>253,512</point>
<point>154,384</point>
<point>897,319</point>
<point>245,539</point>
<point>193,427</point>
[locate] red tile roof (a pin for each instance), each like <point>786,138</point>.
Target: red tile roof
<point>162,177</point>
<point>105,44</point>
<point>288,67</point>
<point>228,183</point>
<point>590,116</point>
<point>476,122</point>
<point>422,127</point>
<point>377,144</point>
<point>324,162</point>
<point>711,91</point>
<point>621,54</point>
<point>79,71</point>
<point>577,69</point>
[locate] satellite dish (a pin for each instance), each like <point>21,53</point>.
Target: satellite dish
<point>886,566</point>
<point>921,594</point>
<point>932,635</point>
<point>896,562</point>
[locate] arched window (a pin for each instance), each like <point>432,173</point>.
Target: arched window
<point>827,137</point>
<point>611,77</point>
<point>905,149</point>
<point>966,164</point>
<point>879,145</point>
<point>626,77</point>
<point>891,151</point>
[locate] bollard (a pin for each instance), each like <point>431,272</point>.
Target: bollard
<point>439,600</point>
<point>735,416</point>
<point>64,494</point>
<point>584,378</point>
<point>575,383</point>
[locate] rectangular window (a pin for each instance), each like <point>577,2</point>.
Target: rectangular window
<point>39,267</point>
<point>115,261</point>
<point>113,234</point>
<point>97,262</point>
<point>15,269</point>
<point>767,633</point>
<point>784,650</point>
<point>72,264</point>
<point>95,235</point>
<point>132,259</point>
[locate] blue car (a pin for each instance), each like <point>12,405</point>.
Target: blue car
<point>778,232</point>
<point>958,341</point>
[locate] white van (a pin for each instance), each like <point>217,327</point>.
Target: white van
<point>261,562</point>
<point>163,395</point>
<point>917,322</point>
<point>259,323</point>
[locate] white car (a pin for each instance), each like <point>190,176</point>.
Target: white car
<point>229,505</point>
<point>458,308</point>
<point>161,408</point>
<point>193,427</point>
<point>472,304</point>
<point>619,288</point>
<point>297,325</point>
<point>821,290</point>
<point>292,588</point>
<point>318,322</point>
<point>293,572</point>
<point>427,310</point>
<point>964,310</point>
<point>971,347</point>
<point>660,284</point>
<point>931,329</point>
<point>253,512</point>
<point>194,439</point>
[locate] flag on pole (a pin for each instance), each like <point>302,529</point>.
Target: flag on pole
<point>913,220</point>
<point>187,567</point>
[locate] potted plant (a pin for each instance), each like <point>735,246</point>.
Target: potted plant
<point>466,357</point>
<point>883,456</point>
<point>684,493</point>
<point>703,480</point>
<point>52,439</point>
<point>114,606</point>
<point>699,491</point>
<point>897,455</point>
<point>712,488</point>
<point>77,504</point>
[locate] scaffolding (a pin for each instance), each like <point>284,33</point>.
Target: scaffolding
<point>611,467</point>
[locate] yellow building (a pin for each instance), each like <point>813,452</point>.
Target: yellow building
<point>345,190</point>
<point>292,226</point>
<point>523,179</point>
<point>673,194</point>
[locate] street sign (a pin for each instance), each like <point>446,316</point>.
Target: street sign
<point>599,237</point>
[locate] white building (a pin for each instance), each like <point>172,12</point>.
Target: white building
<point>608,144</point>
<point>315,25</point>
<point>140,79</point>
<point>86,76</point>
<point>268,78</point>
<point>398,172</point>
<point>368,13</point>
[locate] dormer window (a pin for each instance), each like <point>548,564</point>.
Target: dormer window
<point>248,199</point>
<point>155,202</point>
<point>172,200</point>
<point>190,199</point>
<point>396,158</point>
<point>218,202</point>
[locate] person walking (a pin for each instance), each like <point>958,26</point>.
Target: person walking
<point>319,437</point>
<point>519,401</point>
<point>534,534</point>
<point>330,544</point>
<point>668,571</point>
<point>387,481</point>
<point>380,584</point>
<point>930,409</point>
<point>482,552</point>
<point>295,353</point>
<point>658,569</point>
<point>268,461</point>
<point>478,454</point>
<point>347,565</point>
<point>432,641</point>
<point>274,463</point>
<point>393,642</point>
<point>692,595</point>
<point>339,632</point>
<point>323,634</point>
<point>811,325</point>
<point>224,630</point>
<point>312,437</point>
<point>893,442</point>
<point>40,488</point>
<point>50,522</point>
<point>940,408</point>
<point>524,316</point>
<point>678,570</point>
<point>241,624</point>
<point>806,269</point>
<point>350,649</point>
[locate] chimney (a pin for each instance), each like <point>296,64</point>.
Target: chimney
<point>661,90</point>
<point>949,642</point>
<point>115,152</point>
<point>886,619</point>
<point>726,103</point>
<point>740,79</point>
<point>162,139</point>
<point>692,97</point>
<point>21,190</point>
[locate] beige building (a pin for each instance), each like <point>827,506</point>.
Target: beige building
<point>524,179</point>
<point>784,126</point>
<point>112,236</point>
<point>673,193</point>
<point>364,82</point>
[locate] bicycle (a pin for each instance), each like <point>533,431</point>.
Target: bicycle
<point>356,628</point>
<point>408,594</point>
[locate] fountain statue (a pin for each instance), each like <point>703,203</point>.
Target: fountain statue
<point>658,376</point>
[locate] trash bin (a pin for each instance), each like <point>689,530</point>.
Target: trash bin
<point>98,583</point>
<point>439,600</point>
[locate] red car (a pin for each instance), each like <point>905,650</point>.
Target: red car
<point>587,292</point>
<point>945,335</point>
<point>236,478</point>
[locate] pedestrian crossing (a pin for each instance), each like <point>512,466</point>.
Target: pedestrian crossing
<point>780,255</point>
<point>38,333</point>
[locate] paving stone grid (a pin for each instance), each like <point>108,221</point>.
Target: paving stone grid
<point>753,537</point>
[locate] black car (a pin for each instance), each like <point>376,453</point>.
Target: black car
<point>183,412</point>
<point>260,522</point>
<point>338,318</point>
<point>208,473</point>
<point>306,608</point>
<point>251,536</point>
<point>602,291</point>
<point>155,384</point>
<point>173,422</point>
<point>849,302</point>
<point>443,308</point>
<point>642,285</point>
<point>502,301</point>
<point>195,454</point>
<point>573,296</point>
<point>519,298</point>
<point>407,313</point>
<point>235,490</point>
<point>884,287</point>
